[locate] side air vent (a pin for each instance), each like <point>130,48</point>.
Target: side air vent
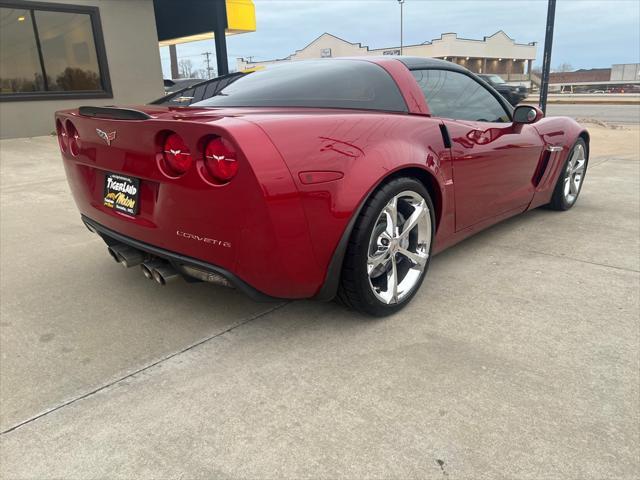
<point>542,168</point>
<point>445,135</point>
<point>113,113</point>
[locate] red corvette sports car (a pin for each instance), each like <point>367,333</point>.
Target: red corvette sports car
<point>317,179</point>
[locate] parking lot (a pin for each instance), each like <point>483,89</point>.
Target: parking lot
<point>518,358</point>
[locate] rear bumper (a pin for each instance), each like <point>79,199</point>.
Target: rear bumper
<point>177,260</point>
<point>254,226</point>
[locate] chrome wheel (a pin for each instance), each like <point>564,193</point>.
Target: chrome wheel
<point>574,173</point>
<point>399,247</point>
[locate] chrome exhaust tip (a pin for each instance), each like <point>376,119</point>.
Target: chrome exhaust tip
<point>113,254</point>
<point>165,274</point>
<point>148,268</point>
<point>90,228</point>
<point>126,256</point>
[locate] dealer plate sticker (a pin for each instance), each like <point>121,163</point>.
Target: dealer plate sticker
<point>121,193</point>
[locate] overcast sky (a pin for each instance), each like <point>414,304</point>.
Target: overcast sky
<point>587,34</point>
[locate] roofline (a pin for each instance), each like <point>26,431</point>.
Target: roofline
<point>368,49</point>
<point>410,62</point>
<point>288,57</point>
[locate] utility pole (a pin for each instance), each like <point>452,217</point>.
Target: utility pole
<point>546,59</point>
<point>173,55</point>
<point>207,55</point>
<point>219,32</point>
<point>401,2</point>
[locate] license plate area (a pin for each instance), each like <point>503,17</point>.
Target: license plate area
<point>121,193</point>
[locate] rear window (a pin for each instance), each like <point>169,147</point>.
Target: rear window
<point>315,83</point>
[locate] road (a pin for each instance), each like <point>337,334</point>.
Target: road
<point>518,358</point>
<point>614,114</point>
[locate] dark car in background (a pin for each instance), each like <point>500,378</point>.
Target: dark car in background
<point>513,94</point>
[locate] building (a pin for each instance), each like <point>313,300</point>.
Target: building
<point>620,78</point>
<point>582,75</point>
<point>497,53</point>
<point>625,72</point>
<point>65,53</point>
<point>85,48</point>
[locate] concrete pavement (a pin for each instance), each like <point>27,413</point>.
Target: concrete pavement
<point>614,114</point>
<point>518,358</point>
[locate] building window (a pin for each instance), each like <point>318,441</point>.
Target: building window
<point>50,51</point>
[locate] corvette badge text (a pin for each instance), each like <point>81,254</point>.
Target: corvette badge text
<point>121,193</point>
<point>198,238</point>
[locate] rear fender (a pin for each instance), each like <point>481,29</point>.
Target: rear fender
<point>275,242</point>
<point>364,150</point>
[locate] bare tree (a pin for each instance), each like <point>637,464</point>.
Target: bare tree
<point>564,67</point>
<point>186,68</point>
<point>200,73</point>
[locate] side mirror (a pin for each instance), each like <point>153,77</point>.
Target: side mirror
<point>527,114</point>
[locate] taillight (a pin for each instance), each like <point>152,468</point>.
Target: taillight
<point>220,159</point>
<point>73,139</point>
<point>176,155</point>
<point>63,140</point>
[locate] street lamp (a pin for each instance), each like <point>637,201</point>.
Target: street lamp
<point>401,2</point>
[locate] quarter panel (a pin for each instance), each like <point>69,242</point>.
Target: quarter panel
<point>366,148</point>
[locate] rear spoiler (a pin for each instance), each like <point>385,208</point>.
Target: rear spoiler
<point>113,113</point>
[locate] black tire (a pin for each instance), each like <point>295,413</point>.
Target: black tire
<point>559,200</point>
<point>355,290</point>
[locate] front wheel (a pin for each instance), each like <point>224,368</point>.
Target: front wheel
<point>389,250</point>
<point>571,178</point>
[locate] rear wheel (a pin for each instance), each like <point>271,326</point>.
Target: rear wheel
<point>571,178</point>
<point>389,250</point>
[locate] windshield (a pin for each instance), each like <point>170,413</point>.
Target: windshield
<point>336,83</point>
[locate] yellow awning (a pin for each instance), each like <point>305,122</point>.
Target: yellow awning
<point>241,18</point>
